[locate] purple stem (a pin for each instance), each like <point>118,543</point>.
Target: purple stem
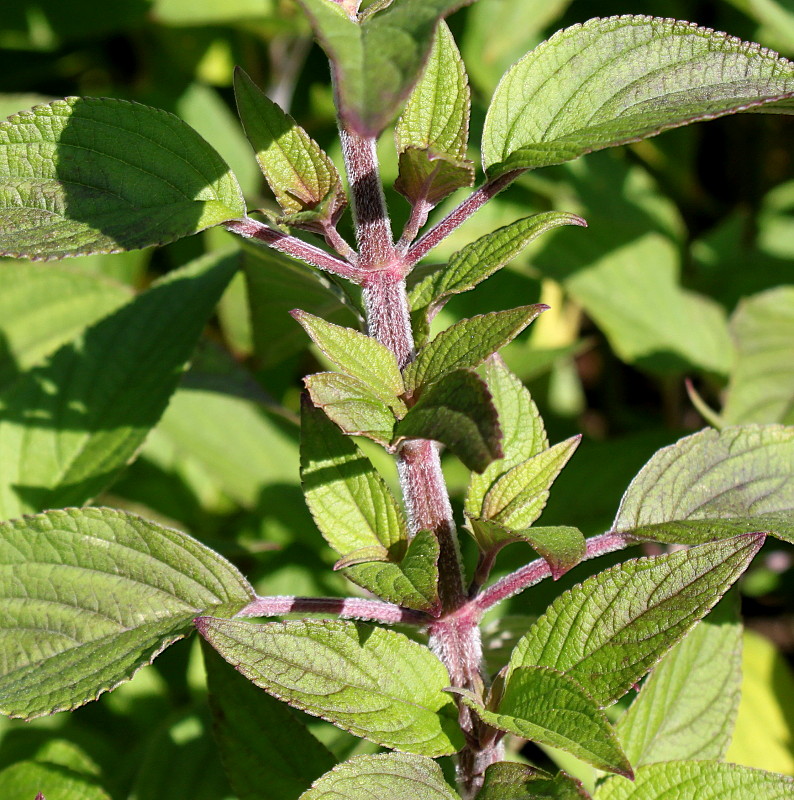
<point>345,607</point>
<point>253,229</point>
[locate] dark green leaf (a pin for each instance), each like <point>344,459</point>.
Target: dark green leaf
<point>69,426</point>
<point>607,632</point>
<point>507,780</point>
<point>373,682</point>
<point>299,173</point>
<point>457,411</point>
<point>88,175</point>
<point>91,595</point>
<point>262,743</point>
<point>547,707</point>
<point>621,79</point>
<point>467,344</point>
<point>386,776</point>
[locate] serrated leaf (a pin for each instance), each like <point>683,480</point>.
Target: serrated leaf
<point>621,79</point>
<point>357,355</point>
<point>705,780</point>
<point>373,682</point>
<point>480,259</point>
<point>687,707</point>
<point>714,484</point>
<point>523,434</point>
<point>761,388</point>
<point>387,776</point>
<point>432,133</point>
<point>30,779</point>
<point>607,632</point>
<point>457,411</point>
<point>70,425</point>
<point>508,780</point>
<point>352,406</point>
<point>545,706</point>
<point>299,173</point>
<point>519,496</point>
<point>43,307</point>
<point>262,743</point>
<point>91,175</point>
<point>467,344</point>
<point>91,595</point>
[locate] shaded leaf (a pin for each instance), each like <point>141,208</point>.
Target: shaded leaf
<point>621,79</point>
<point>80,177</point>
<point>91,595</point>
<point>23,779</point>
<point>508,780</point>
<point>607,632</point>
<point>373,682</point>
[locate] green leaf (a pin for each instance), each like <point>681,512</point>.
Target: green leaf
<point>523,434</point>
<point>457,411</point>
<point>705,780</point>
<point>90,596</point>
<point>519,496</point>
<point>687,707</point>
<point>31,779</point>
<point>69,426</point>
<point>467,344</point>
<point>262,743</point>
<point>352,406</point>
<point>508,780</point>
<point>43,307</point>
<point>562,547</point>
<point>607,632</point>
<point>714,484</point>
<point>376,63</point>
<point>432,133</point>
<point>357,355</point>
<point>299,173</point>
<point>79,176</point>
<point>480,259</point>
<point>387,776</point>
<point>621,79</point>
<point>761,388</point>
<point>373,682</point>
<point>545,706</point>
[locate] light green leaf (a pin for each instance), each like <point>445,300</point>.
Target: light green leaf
<point>373,682</point>
<point>457,411</point>
<point>607,632</point>
<point>32,779</point>
<point>387,776</point>
<point>480,259</point>
<point>376,63</point>
<point>72,424</point>
<point>508,780</point>
<point>761,388</point>
<point>89,175</point>
<point>43,307</point>
<point>352,406</point>
<point>432,133</point>
<point>704,780</point>
<point>300,174</point>
<point>687,707</point>
<point>262,743</point>
<point>544,706</point>
<point>90,596</point>
<point>714,484</point>
<point>467,344</point>
<point>621,79</point>
<point>186,13</point>
<point>518,498</point>
<point>523,434</point>
<point>357,355</point>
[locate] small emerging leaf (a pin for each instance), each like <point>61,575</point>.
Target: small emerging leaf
<point>373,682</point>
<point>508,780</point>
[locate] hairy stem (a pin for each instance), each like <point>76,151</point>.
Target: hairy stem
<point>344,607</point>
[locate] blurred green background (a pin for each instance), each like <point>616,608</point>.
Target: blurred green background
<point>685,276</point>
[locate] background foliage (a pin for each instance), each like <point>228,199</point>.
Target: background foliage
<point>686,272</point>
